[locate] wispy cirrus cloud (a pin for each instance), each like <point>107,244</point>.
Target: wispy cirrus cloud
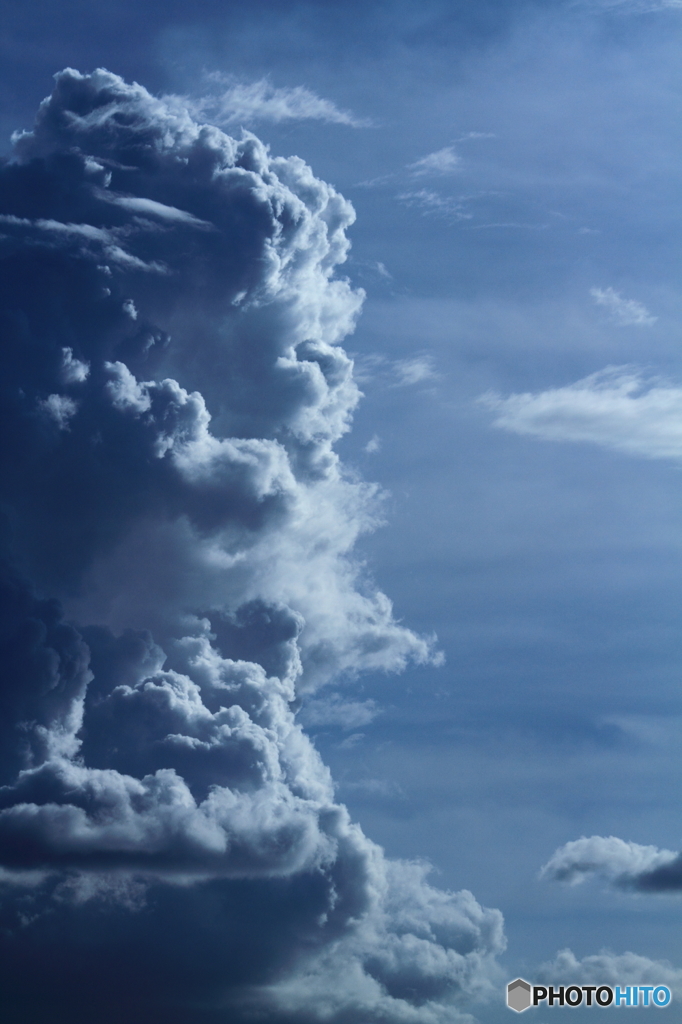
<point>443,161</point>
<point>414,371</point>
<point>616,408</point>
<point>430,202</point>
<point>232,102</point>
<point>396,373</point>
<point>628,6</point>
<point>625,312</point>
<point>332,710</point>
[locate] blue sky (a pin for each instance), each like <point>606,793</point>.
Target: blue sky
<point>514,171</point>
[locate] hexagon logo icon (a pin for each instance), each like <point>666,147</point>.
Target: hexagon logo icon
<point>518,995</point>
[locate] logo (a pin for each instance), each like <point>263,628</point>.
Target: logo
<point>518,995</point>
<point>521,994</point>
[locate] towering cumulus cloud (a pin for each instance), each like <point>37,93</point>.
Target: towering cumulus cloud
<point>176,576</point>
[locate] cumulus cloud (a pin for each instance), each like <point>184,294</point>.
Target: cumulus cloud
<point>245,103</point>
<point>429,942</point>
<point>176,579</point>
<point>608,968</point>
<point>624,311</point>
<point>617,408</point>
<point>623,865</point>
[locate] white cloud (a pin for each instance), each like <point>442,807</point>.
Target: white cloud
<point>619,863</point>
<point>431,202</point>
<point>333,710</point>
<point>443,161</point>
<point>616,408</point>
<point>394,373</point>
<point>510,224</point>
<point>73,371</point>
<point>59,408</point>
<point>261,101</point>
<point>414,371</point>
<point>607,968</point>
<point>625,312</point>
<point>151,208</point>
<point>629,6</point>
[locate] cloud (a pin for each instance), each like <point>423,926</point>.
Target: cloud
<point>607,968</point>
<point>624,311</point>
<point>623,865</point>
<point>430,943</point>
<point>346,714</point>
<point>443,161</point>
<point>616,408</point>
<point>414,371</point>
<point>629,6</point>
<point>245,103</point>
<point>430,202</point>
<point>394,373</point>
<point>176,578</point>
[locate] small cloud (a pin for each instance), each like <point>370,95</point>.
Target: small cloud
<point>628,6</point>
<point>433,203</point>
<point>621,864</point>
<point>443,161</point>
<point>73,371</point>
<point>60,409</point>
<point>261,101</point>
<point>414,371</point>
<point>510,224</point>
<point>476,135</point>
<point>615,408</point>
<point>394,373</point>
<point>373,445</point>
<point>334,711</point>
<point>371,271</point>
<point>130,309</point>
<point>381,179</point>
<point>151,208</point>
<point>624,311</point>
<point>351,741</point>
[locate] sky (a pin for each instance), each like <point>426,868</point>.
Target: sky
<point>339,508</point>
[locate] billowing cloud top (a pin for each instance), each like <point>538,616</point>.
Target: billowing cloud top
<point>176,574</point>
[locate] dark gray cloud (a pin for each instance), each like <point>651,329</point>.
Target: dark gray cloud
<point>177,539</point>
